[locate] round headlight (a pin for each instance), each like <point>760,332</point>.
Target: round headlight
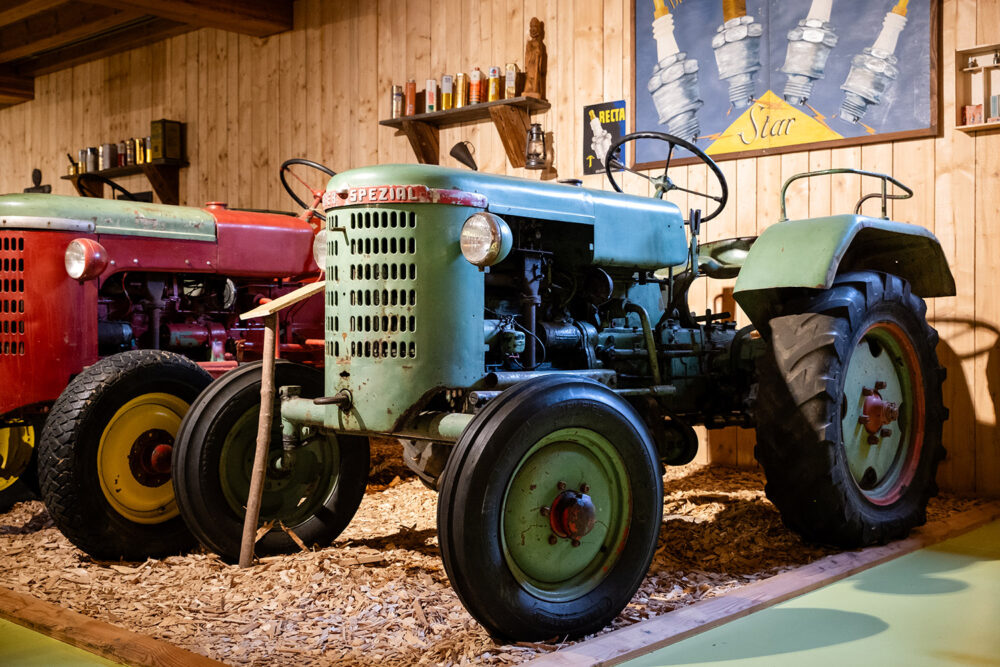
<point>85,259</point>
<point>485,239</point>
<point>319,249</point>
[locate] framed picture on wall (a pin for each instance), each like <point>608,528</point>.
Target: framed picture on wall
<point>741,78</point>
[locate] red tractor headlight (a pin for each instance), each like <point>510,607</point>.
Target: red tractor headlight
<point>85,259</point>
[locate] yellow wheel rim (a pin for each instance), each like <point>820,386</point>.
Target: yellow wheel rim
<point>134,491</point>
<point>16,444</point>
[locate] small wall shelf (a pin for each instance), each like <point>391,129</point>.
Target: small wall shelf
<point>510,117</point>
<point>974,85</point>
<point>164,176</point>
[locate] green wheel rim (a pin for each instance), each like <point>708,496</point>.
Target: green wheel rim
<point>883,464</point>
<point>552,568</point>
<point>292,493</point>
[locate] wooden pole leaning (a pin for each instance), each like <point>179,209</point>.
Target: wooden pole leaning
<point>263,442</point>
<point>269,311</point>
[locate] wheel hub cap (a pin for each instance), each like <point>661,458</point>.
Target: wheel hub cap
<point>877,413</point>
<point>573,515</point>
<point>149,458</point>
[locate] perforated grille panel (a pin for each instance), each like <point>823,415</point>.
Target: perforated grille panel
<point>372,265</point>
<point>12,338</point>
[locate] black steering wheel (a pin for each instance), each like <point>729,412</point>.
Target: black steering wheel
<point>316,194</point>
<point>85,191</point>
<point>662,183</point>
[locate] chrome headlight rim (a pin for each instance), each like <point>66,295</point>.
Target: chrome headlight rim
<point>485,239</point>
<point>85,259</point>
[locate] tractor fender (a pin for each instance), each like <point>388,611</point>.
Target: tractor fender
<point>808,254</point>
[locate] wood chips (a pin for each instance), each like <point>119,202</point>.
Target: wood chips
<point>379,595</point>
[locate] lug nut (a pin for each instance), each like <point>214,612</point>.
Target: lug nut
<point>885,433</point>
<point>873,440</point>
<point>865,391</point>
<point>561,486</point>
<point>863,419</point>
<point>575,543</point>
<point>584,488</point>
<point>879,385</point>
<point>553,539</point>
<point>545,510</point>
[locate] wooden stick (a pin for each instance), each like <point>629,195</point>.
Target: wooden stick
<point>263,441</point>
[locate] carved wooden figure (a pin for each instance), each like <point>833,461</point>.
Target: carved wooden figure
<point>535,61</point>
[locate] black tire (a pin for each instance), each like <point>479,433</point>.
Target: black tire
<point>80,459</point>
<point>24,486</point>
<point>474,516</point>
<point>821,477</point>
<point>213,504</point>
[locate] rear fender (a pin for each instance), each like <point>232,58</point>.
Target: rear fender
<point>798,255</point>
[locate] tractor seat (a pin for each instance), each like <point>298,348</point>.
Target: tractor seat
<point>723,258</point>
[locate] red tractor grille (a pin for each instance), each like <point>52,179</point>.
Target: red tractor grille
<point>12,338</point>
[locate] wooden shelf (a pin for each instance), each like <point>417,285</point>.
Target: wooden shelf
<point>975,85</point>
<point>979,127</point>
<point>510,117</point>
<point>163,176</point>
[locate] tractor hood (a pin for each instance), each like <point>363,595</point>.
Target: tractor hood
<point>628,230</point>
<point>105,216</point>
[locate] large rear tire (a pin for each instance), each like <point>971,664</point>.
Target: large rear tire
<point>550,509</point>
<point>104,454</point>
<point>315,496</point>
<point>850,413</point>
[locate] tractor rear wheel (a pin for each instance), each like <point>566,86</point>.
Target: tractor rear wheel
<point>104,454</point>
<point>550,509</point>
<point>850,413</point>
<point>314,492</point>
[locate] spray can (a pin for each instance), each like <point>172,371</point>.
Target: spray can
<point>447,97</point>
<point>397,101</point>
<point>431,96</point>
<point>475,86</point>
<point>461,89</point>
<point>493,85</point>
<point>510,82</point>
<point>411,97</point>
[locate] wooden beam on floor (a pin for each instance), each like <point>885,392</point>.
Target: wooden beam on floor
<point>258,18</point>
<point>647,636</point>
<point>103,639</point>
<point>142,34</point>
<point>58,27</point>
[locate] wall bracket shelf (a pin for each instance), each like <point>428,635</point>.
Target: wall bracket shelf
<point>163,176</point>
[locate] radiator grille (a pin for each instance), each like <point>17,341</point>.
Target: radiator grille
<point>372,268</point>
<point>12,338</point>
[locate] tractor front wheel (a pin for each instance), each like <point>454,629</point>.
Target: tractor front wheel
<point>550,509</point>
<point>104,454</point>
<point>850,412</point>
<point>312,490</point>
<point>18,463</point>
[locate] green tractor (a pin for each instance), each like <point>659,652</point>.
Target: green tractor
<point>531,348</point>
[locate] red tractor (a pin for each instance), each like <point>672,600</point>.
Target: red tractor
<point>114,315</point>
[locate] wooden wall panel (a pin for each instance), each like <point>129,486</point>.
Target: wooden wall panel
<point>317,92</point>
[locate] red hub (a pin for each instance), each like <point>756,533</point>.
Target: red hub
<point>572,515</point>
<point>877,413</point>
<point>149,459</point>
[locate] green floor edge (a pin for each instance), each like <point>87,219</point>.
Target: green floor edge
<point>21,647</point>
<point>939,605</point>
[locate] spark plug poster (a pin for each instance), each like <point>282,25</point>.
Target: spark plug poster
<point>742,76</point>
<point>603,124</point>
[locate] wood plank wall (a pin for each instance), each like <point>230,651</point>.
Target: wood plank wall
<point>318,90</point>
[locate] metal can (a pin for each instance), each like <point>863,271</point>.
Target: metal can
<point>461,89</point>
<point>411,97</point>
<point>475,86</point>
<point>149,148</point>
<point>431,96</point>
<point>493,85</point>
<point>121,153</point>
<point>397,101</point>
<point>140,150</point>
<point>81,163</point>
<point>92,156</point>
<point>510,82</point>
<point>447,88</point>
<point>109,156</point>
<point>130,152</point>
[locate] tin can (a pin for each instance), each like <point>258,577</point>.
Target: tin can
<point>148,143</point>
<point>447,88</point>
<point>81,163</point>
<point>121,154</point>
<point>109,156</point>
<point>493,85</point>
<point>510,81</point>
<point>397,101</point>
<point>475,86</point>
<point>461,89</point>
<point>129,152</point>
<point>140,150</point>
<point>431,96</point>
<point>92,157</point>
<point>411,97</point>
